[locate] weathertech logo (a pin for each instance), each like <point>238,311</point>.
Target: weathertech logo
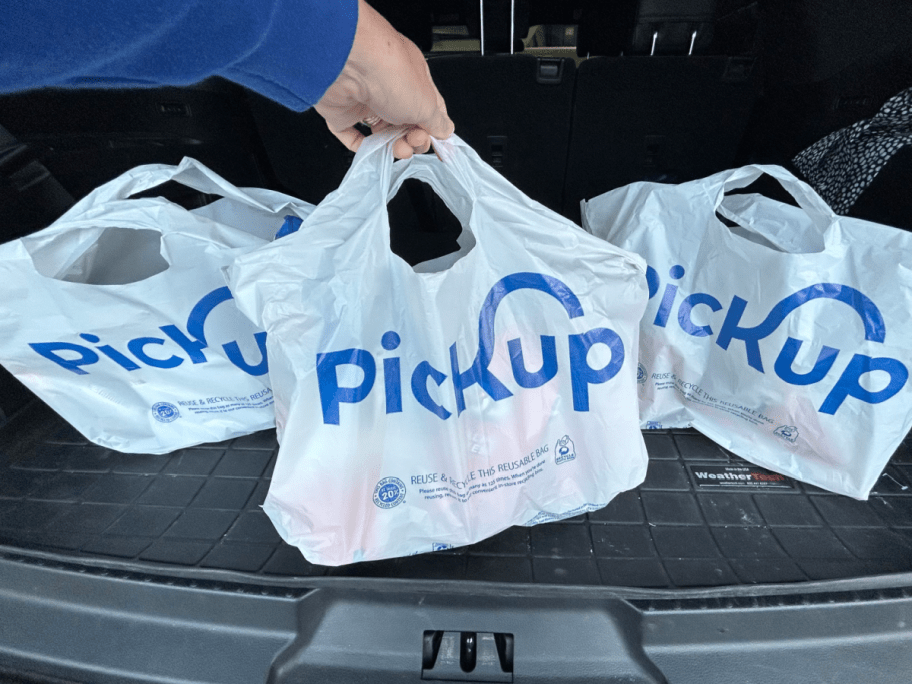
<point>716,476</point>
<point>750,477</point>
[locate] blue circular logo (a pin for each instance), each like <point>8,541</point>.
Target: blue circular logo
<point>164,412</point>
<point>389,492</point>
<point>642,375</point>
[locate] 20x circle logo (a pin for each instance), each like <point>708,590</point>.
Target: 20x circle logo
<point>164,412</point>
<point>389,492</point>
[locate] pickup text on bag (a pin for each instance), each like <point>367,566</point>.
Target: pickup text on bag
<point>75,357</point>
<point>582,375</point>
<point>849,382</point>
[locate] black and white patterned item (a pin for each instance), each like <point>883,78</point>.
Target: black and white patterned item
<point>844,163</point>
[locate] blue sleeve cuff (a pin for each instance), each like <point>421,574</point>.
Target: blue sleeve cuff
<point>301,52</point>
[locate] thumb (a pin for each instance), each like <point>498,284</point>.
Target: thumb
<point>350,137</point>
<point>439,125</point>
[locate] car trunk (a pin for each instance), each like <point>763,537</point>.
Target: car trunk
<point>114,564</point>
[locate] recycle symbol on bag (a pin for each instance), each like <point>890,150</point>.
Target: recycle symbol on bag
<point>564,450</point>
<point>787,432</point>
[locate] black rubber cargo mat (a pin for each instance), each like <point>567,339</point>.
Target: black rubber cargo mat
<point>702,518</point>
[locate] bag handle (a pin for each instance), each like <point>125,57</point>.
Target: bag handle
<point>820,214</point>
<point>92,214</point>
<point>458,195</point>
<point>376,156</point>
<point>189,172</point>
<point>451,173</point>
<point>456,173</point>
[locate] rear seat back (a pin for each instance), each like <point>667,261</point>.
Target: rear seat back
<point>669,117</point>
<point>648,27</point>
<point>515,111</point>
<point>827,65</point>
<point>86,137</point>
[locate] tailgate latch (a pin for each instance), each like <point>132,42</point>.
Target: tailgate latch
<point>467,656</point>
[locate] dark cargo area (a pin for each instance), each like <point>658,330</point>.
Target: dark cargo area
<point>163,568</point>
<point>703,517</point>
<point>585,103</point>
<point>590,99</point>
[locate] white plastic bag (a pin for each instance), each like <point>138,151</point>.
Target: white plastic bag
<point>382,454</point>
<point>785,339</point>
<point>118,316</point>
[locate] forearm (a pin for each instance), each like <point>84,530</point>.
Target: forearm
<point>289,50</point>
<point>386,77</point>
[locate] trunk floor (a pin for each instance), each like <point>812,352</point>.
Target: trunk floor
<point>199,507</point>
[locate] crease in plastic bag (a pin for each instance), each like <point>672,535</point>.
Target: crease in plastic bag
<point>430,407</point>
<point>784,339</point>
<point>117,315</point>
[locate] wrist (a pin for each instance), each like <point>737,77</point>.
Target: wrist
<point>373,50</point>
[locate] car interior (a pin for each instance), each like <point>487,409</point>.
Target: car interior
<point>568,101</point>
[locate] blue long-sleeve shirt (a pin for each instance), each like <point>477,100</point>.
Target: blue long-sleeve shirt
<point>288,50</point>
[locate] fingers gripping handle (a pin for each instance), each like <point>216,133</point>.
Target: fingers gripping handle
<point>374,160</point>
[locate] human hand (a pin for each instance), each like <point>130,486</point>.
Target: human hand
<point>386,76</point>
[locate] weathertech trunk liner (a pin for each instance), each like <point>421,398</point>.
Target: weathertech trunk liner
<point>704,517</point>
